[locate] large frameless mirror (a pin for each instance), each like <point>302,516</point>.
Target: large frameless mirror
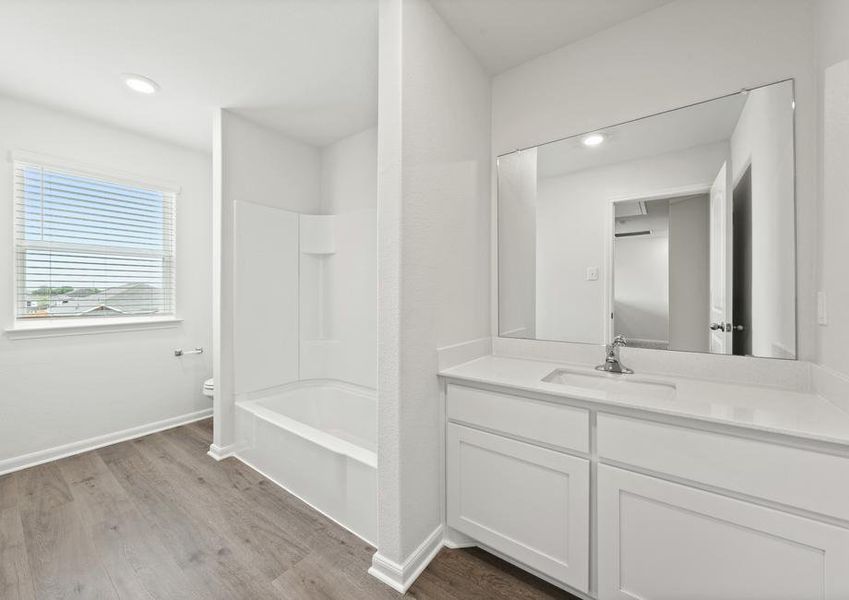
<point>676,231</point>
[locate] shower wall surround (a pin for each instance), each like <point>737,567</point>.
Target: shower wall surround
<point>295,264</point>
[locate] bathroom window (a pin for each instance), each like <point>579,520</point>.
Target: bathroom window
<point>90,246</point>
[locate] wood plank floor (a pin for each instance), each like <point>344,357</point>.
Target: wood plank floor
<point>157,518</point>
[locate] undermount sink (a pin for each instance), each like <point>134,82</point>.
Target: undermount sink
<point>614,384</point>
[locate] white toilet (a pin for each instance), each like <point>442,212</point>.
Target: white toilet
<point>209,387</point>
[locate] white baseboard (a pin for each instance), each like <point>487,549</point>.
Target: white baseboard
<point>222,452</point>
<point>401,576</point>
<point>453,539</point>
<point>32,459</point>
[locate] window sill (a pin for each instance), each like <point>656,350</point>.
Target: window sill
<point>57,328</point>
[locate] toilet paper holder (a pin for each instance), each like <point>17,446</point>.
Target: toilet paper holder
<point>180,352</point>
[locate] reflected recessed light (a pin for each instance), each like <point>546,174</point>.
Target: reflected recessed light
<point>594,139</point>
<point>140,83</point>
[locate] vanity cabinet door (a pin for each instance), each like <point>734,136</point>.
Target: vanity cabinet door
<point>527,502</point>
<point>664,541</point>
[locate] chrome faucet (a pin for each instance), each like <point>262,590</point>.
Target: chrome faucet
<point>611,362</point>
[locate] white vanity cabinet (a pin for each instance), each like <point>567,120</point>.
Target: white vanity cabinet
<point>676,509</point>
<point>527,501</point>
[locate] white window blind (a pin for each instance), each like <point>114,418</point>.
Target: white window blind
<point>89,247</point>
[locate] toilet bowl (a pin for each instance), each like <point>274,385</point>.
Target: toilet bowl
<point>209,387</point>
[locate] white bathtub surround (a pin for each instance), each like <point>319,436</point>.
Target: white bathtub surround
<point>317,440</point>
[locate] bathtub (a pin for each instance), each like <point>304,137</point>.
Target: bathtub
<point>317,440</point>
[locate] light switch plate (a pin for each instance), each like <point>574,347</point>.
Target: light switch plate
<point>592,273</point>
<point>822,308</point>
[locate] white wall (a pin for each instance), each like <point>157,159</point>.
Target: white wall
<point>641,304</point>
<point>349,191</point>
<point>689,274</point>
<point>252,164</point>
<point>572,230</point>
<point>833,71</point>
<point>60,390</point>
<point>517,243</point>
<point>433,252</point>
<point>680,53</point>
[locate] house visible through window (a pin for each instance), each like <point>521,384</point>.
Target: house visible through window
<point>89,247</point>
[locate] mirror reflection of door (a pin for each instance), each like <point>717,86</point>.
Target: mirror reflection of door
<point>741,327</point>
<point>662,272</point>
<point>726,262</point>
<point>720,284</point>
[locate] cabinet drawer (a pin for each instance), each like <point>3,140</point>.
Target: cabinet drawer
<point>800,478</point>
<point>546,422</point>
<point>525,501</point>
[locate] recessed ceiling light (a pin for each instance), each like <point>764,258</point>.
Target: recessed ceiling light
<point>594,139</point>
<point>140,83</point>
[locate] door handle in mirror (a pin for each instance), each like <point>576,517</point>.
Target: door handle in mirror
<point>721,326</point>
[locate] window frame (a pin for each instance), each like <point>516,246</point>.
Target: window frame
<point>66,325</point>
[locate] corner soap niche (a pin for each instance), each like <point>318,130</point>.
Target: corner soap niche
<point>317,247</point>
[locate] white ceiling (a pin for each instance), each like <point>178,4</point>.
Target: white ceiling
<point>705,123</point>
<point>307,68</point>
<point>506,33</point>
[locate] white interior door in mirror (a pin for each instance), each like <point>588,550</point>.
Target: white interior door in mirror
<point>720,285</point>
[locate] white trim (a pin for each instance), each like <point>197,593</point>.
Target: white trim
<point>219,453</point>
<point>454,540</point>
<point>43,328</point>
<point>288,491</point>
<point>401,576</point>
<point>81,168</point>
<point>32,459</point>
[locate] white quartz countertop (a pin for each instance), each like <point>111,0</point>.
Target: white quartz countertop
<point>773,410</point>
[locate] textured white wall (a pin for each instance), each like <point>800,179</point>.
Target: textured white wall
<point>56,391</point>
<point>678,54</point>
<point>433,248</point>
<point>833,71</point>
